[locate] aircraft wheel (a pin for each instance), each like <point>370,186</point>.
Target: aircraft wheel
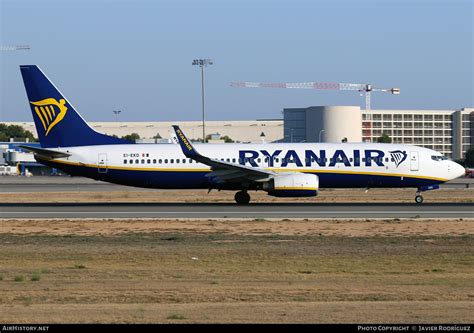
<point>242,197</point>
<point>418,199</point>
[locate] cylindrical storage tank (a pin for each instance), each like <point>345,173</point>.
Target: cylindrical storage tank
<point>341,123</point>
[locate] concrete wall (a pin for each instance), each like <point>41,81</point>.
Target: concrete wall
<point>340,122</point>
<point>323,123</point>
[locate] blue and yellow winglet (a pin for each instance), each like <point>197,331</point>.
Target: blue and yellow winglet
<point>186,146</point>
<point>190,152</point>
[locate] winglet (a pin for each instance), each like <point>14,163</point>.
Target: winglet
<point>186,146</point>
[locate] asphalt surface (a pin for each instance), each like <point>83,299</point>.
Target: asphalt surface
<point>256,210</point>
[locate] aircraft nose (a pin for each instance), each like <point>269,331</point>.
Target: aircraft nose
<point>456,170</point>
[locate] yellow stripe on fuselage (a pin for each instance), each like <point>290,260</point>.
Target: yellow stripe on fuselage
<point>314,171</point>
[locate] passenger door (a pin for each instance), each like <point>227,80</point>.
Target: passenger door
<point>414,161</point>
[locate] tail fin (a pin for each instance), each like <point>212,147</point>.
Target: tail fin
<point>57,122</point>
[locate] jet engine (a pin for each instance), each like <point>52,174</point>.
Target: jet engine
<point>293,185</point>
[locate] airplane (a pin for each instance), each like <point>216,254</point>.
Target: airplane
<point>68,143</point>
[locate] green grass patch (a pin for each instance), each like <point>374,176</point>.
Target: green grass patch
<point>26,301</point>
<point>19,278</point>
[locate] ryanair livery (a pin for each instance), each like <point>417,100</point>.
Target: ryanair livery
<point>280,169</point>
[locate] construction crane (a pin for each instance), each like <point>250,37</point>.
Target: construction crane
<point>367,88</point>
<point>4,48</point>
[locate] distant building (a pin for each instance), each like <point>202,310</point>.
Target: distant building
<point>450,132</point>
<point>239,131</point>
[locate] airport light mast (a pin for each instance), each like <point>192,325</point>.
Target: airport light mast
<point>361,87</point>
<point>202,63</point>
<point>117,112</point>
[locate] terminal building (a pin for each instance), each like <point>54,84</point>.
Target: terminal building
<point>450,132</point>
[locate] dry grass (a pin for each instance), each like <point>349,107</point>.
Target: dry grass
<point>298,271</point>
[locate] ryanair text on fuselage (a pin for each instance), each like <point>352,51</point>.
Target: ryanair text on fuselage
<point>354,158</point>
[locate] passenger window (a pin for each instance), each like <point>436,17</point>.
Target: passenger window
<point>148,161</point>
<point>172,160</point>
<point>190,160</point>
<point>131,161</point>
<point>166,160</point>
<point>159,161</point>
<point>154,161</point>
<point>143,161</point>
<point>228,160</point>
<point>233,160</point>
<point>177,160</point>
<point>184,160</point>
<point>137,161</point>
<point>363,159</point>
<point>259,160</point>
<point>124,161</point>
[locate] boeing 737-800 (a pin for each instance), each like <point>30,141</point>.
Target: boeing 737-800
<point>280,169</point>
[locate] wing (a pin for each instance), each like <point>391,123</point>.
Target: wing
<point>222,172</point>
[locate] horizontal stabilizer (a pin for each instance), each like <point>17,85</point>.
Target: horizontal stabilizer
<point>45,153</point>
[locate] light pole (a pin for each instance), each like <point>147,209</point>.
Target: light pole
<point>202,63</point>
<point>321,132</point>
<point>116,112</point>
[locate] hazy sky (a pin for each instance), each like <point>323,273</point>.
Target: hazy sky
<point>136,55</point>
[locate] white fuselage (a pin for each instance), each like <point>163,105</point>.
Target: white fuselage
<point>370,163</point>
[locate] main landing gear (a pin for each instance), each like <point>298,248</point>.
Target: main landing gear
<point>418,198</point>
<point>242,197</point>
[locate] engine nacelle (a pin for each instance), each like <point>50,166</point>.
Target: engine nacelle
<point>293,185</point>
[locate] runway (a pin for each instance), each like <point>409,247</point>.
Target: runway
<point>225,210</point>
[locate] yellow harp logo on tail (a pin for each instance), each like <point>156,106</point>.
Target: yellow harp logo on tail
<point>50,112</point>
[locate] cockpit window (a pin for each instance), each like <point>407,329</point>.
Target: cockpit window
<point>438,158</point>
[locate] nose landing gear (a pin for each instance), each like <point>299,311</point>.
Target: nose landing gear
<point>418,197</point>
<point>242,198</point>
